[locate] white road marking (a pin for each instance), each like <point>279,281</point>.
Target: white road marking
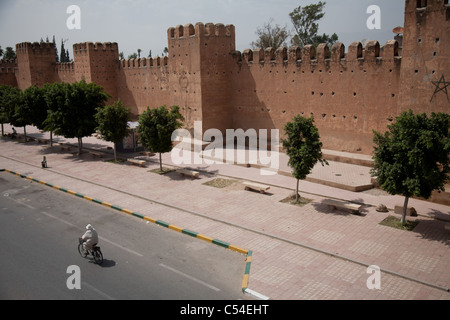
<point>85,284</point>
<point>189,277</point>
<point>256,294</point>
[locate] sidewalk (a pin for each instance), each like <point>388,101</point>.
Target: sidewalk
<point>310,252</point>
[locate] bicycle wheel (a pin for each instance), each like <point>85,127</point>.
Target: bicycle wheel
<point>98,256</point>
<point>81,250</point>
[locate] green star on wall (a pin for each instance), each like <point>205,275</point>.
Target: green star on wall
<point>441,85</point>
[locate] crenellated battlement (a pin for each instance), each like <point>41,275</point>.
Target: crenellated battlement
<point>37,48</point>
<point>144,63</point>
<point>65,67</point>
<point>200,30</point>
<point>95,47</point>
<point>8,66</point>
<point>426,5</point>
<point>310,54</point>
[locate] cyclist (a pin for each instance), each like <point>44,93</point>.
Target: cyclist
<point>90,238</point>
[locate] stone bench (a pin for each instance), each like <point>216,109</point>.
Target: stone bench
<point>256,186</point>
<point>140,163</point>
<point>44,141</point>
<point>66,148</point>
<point>447,226</point>
<point>190,173</point>
<point>97,154</point>
<point>354,208</point>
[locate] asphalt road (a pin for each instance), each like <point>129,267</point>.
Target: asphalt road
<point>39,230</point>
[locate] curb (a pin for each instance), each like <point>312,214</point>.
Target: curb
<point>188,232</point>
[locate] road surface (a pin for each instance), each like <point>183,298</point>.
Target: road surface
<point>39,230</point>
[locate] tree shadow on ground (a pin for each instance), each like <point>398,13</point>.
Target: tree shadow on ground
<point>327,209</point>
<point>432,230</point>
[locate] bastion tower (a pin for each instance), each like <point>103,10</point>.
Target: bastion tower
<point>199,59</point>
<point>425,70</point>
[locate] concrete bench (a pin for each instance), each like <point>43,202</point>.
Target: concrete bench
<point>447,226</point>
<point>140,163</point>
<point>66,148</point>
<point>44,141</point>
<point>354,208</point>
<point>190,173</point>
<point>97,154</point>
<point>256,186</point>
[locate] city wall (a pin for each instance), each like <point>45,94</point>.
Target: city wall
<point>349,91</point>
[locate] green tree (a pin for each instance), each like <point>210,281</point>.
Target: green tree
<point>20,110</point>
<point>303,147</point>
<point>7,103</point>
<point>55,96</point>
<point>132,56</point>
<point>73,114</point>
<point>412,156</point>
<point>34,98</point>
<point>63,57</point>
<point>9,54</point>
<point>56,50</point>
<point>270,36</point>
<point>306,27</point>
<point>113,123</point>
<point>156,127</point>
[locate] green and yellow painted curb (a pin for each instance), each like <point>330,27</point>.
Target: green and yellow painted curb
<point>155,221</point>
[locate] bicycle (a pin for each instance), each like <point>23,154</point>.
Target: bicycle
<point>96,253</point>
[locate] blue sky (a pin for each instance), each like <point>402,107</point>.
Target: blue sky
<point>143,24</point>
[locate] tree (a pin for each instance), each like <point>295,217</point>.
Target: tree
<point>303,147</point>
<point>20,110</point>
<point>270,37</point>
<point>9,54</point>
<point>156,127</point>
<point>73,114</point>
<point>55,96</point>
<point>412,156</point>
<point>113,123</point>
<point>36,105</point>
<point>63,57</point>
<point>7,103</point>
<point>56,50</point>
<point>306,27</point>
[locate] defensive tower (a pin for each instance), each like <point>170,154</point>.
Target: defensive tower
<point>35,64</point>
<point>425,71</point>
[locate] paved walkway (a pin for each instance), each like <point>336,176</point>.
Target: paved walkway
<point>309,252</point>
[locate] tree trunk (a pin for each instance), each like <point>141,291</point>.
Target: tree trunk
<point>51,138</point>
<point>80,145</point>
<point>405,207</point>
<point>3,132</point>
<point>25,133</point>
<point>160,162</point>
<point>296,192</point>
<point>115,152</point>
